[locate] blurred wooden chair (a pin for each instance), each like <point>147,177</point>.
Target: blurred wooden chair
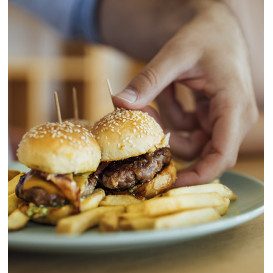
<point>40,62</point>
<point>88,73</point>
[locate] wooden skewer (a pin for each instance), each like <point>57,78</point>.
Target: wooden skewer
<point>110,91</point>
<point>75,104</point>
<point>58,107</point>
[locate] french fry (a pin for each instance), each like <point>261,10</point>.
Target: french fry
<point>45,215</point>
<point>137,223</point>
<point>109,221</point>
<point>136,207</point>
<point>17,220</point>
<point>55,215</point>
<point>119,200</point>
<point>177,220</point>
<point>130,215</point>
<point>215,181</point>
<point>172,204</point>
<point>214,187</point>
<point>13,182</point>
<point>13,202</point>
<point>77,224</point>
<point>186,218</point>
<point>12,173</point>
<point>222,209</point>
<point>93,200</point>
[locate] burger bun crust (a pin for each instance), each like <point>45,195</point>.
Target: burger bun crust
<point>128,133</point>
<point>59,148</point>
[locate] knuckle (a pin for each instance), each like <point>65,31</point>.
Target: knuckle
<point>150,77</point>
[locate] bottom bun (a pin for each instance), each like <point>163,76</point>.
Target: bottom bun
<point>54,215</point>
<point>161,183</point>
<point>51,215</point>
<point>45,215</point>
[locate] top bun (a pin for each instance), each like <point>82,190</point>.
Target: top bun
<point>128,133</point>
<point>59,148</point>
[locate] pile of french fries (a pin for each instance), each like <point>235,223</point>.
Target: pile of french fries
<point>179,207</point>
<point>17,219</point>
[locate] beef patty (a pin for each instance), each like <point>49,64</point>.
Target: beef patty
<point>40,196</point>
<point>124,174</point>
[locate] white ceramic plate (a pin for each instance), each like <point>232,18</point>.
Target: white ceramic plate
<point>250,204</point>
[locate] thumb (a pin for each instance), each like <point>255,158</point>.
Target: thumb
<point>163,69</point>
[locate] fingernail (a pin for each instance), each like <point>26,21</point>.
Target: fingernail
<point>128,95</point>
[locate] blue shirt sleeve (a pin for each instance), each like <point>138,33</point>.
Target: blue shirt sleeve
<point>73,19</point>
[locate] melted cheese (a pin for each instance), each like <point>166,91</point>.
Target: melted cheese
<point>37,182</point>
<point>81,180</point>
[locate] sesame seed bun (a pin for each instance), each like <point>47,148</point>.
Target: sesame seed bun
<point>83,122</point>
<point>59,148</point>
<point>128,133</point>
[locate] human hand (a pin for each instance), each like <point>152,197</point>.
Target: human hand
<point>209,56</point>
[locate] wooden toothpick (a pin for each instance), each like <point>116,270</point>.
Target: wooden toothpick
<point>75,104</point>
<point>110,91</point>
<point>58,107</point>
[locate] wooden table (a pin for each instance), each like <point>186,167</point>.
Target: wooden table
<point>240,249</point>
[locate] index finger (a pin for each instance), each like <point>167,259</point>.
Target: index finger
<point>220,153</point>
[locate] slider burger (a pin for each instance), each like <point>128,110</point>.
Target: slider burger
<point>136,157</point>
<point>63,158</point>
